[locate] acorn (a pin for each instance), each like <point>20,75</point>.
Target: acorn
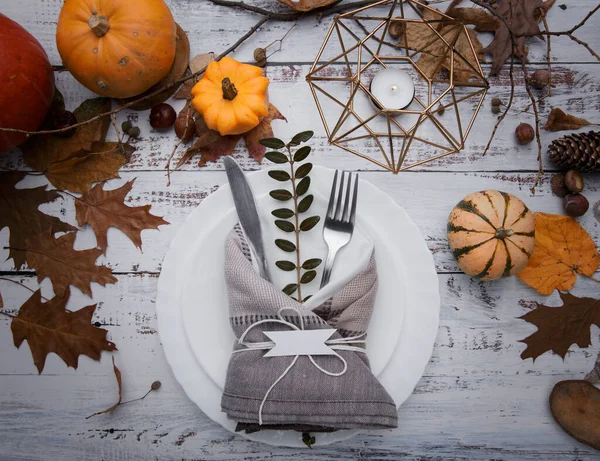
<point>162,116</point>
<point>558,185</point>
<point>496,102</point>
<point>574,181</point>
<point>575,205</point>
<point>185,127</point>
<point>396,29</point>
<point>495,109</point>
<point>540,79</point>
<point>524,133</point>
<point>260,56</point>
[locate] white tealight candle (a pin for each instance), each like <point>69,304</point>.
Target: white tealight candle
<point>393,88</point>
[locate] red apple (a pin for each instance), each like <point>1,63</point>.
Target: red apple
<point>26,83</point>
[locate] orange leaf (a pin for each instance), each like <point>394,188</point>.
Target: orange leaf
<point>102,209</point>
<point>563,249</point>
<point>48,327</point>
<point>56,259</point>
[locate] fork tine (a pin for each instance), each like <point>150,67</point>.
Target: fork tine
<point>340,197</point>
<point>347,202</point>
<point>354,200</point>
<point>330,208</point>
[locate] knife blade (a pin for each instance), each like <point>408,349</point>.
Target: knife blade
<point>247,212</point>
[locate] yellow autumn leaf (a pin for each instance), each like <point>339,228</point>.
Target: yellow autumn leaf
<point>563,249</point>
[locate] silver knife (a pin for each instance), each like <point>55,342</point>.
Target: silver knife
<point>247,213</point>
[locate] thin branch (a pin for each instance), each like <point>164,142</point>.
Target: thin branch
<point>537,124</point>
<point>113,119</point>
<point>8,315</point>
<point>297,224</point>
<point>22,285</point>
<point>174,84</point>
<point>187,121</point>
<point>548,52</point>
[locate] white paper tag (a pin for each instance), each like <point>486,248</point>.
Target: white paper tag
<point>299,342</point>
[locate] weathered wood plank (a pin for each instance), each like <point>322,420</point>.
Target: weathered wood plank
<point>214,28</point>
<point>427,197</point>
<point>577,91</point>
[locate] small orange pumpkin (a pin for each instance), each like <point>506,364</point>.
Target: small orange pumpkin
<point>231,96</point>
<point>492,234</point>
<point>116,48</point>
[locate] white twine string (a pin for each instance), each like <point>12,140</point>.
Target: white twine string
<point>340,344</point>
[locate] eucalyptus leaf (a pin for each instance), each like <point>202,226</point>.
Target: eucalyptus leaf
<point>309,223</point>
<point>301,153</point>
<point>276,157</point>
<point>301,137</point>
<point>306,299</point>
<point>280,175</point>
<point>285,226</point>
<point>289,289</point>
<point>272,143</point>
<point>285,245</point>
<point>285,265</point>
<point>308,276</point>
<point>281,194</point>
<point>311,263</point>
<point>305,203</point>
<point>303,170</point>
<point>303,186</point>
<point>283,213</point>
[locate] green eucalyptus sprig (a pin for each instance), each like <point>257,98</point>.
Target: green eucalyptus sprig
<point>288,218</point>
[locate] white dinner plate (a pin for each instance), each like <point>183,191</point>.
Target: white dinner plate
<point>193,316</point>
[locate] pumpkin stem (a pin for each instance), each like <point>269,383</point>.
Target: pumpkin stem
<point>229,90</point>
<point>502,233</point>
<point>98,24</point>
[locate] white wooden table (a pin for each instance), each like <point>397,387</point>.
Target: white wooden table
<point>477,399</point>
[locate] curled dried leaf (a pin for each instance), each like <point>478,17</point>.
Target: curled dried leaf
<point>558,120</point>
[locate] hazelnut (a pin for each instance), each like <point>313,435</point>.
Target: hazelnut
<point>540,79</point>
<point>441,109</point>
<point>558,185</point>
<point>524,133</point>
<point>185,127</point>
<point>574,181</point>
<point>396,29</point>
<point>575,205</point>
<point>496,102</point>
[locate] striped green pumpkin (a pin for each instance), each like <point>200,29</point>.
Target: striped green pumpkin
<point>491,234</point>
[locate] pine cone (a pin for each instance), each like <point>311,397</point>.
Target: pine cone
<point>578,151</point>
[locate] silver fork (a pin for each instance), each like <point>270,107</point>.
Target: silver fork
<point>339,221</point>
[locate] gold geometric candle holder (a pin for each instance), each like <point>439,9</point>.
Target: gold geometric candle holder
<point>433,48</point>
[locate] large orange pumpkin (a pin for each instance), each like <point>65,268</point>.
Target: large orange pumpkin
<point>492,234</point>
<point>116,48</point>
<point>26,83</point>
<point>231,96</point>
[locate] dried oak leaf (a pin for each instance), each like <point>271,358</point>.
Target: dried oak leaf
<point>263,130</point>
<point>575,405</point>
<point>197,63</point>
<point>560,327</point>
<point>48,327</point>
<point>559,120</point>
<point>64,266</point>
<point>43,150</point>
<point>19,212</point>
<point>101,162</point>
<point>120,387</point>
<point>563,249</point>
<point>102,209</point>
<point>434,53</point>
<point>524,17</point>
<point>306,5</point>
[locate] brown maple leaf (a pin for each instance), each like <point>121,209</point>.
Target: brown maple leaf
<point>563,249</point>
<point>102,209</point>
<point>48,327</point>
<point>64,266</point>
<point>43,150</point>
<point>78,172</point>
<point>560,327</point>
<point>558,120</point>
<point>19,212</point>
<point>524,17</point>
<point>263,130</point>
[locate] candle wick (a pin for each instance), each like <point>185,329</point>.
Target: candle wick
<point>394,88</point>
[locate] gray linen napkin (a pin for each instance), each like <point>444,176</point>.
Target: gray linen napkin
<point>305,396</point>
